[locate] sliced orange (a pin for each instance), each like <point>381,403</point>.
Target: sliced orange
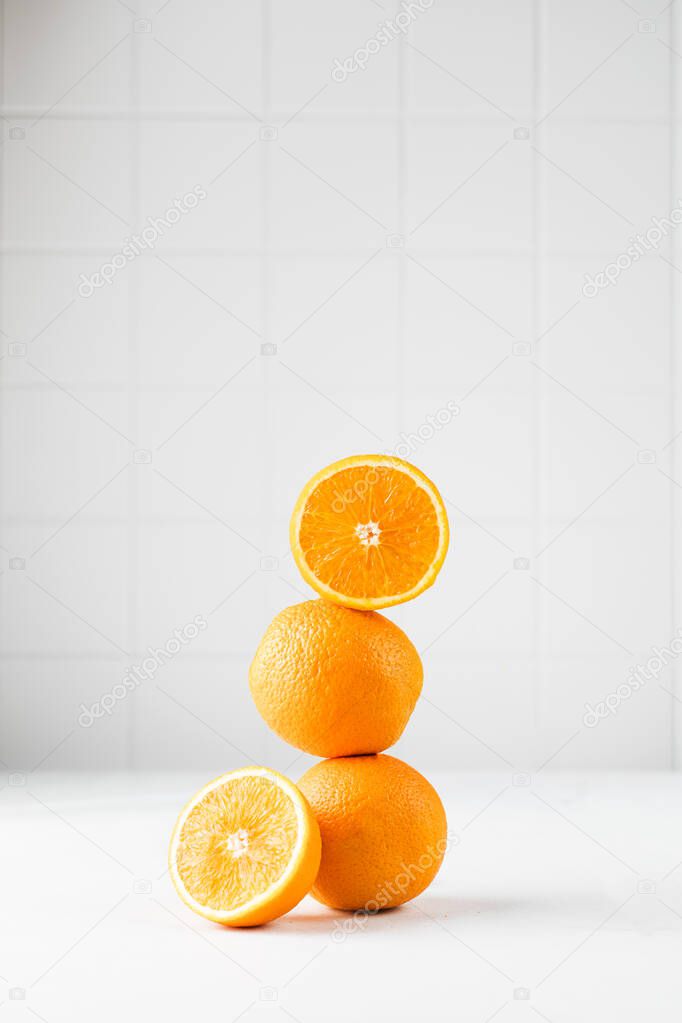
<point>245,849</point>
<point>369,531</point>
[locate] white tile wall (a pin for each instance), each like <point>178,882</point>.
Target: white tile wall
<point>415,235</point>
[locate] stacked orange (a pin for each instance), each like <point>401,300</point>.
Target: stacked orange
<point>333,677</point>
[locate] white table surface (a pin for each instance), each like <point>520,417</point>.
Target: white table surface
<point>560,898</point>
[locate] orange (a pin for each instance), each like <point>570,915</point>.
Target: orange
<point>383,828</point>
<point>369,531</point>
<point>335,682</point>
<point>245,849</point>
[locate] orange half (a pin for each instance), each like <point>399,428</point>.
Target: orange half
<point>245,849</point>
<point>369,531</point>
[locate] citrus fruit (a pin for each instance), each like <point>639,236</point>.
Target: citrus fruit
<point>369,531</point>
<point>383,828</point>
<point>335,682</point>
<point>245,849</point>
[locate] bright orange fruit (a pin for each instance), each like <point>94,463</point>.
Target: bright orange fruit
<point>369,531</point>
<point>335,682</point>
<point>383,827</point>
<point>245,849</point>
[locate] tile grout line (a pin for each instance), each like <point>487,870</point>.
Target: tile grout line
<point>210,114</point>
<point>464,253</point>
<point>402,269</point>
<point>538,386</point>
<point>3,258</point>
<point>267,364</point>
<point>674,369</point>
<point>133,495</point>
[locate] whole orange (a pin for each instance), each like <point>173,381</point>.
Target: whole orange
<point>335,682</point>
<point>383,828</point>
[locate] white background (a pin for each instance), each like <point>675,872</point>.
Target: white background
<point>415,235</point>
<point>400,239</point>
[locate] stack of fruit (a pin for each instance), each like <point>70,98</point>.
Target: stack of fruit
<point>361,830</point>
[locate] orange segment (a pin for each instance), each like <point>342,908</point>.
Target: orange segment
<point>245,849</point>
<point>369,531</point>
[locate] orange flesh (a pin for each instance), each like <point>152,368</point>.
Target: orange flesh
<point>368,531</point>
<point>236,842</point>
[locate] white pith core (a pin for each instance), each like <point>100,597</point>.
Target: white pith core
<point>238,843</point>
<point>368,533</point>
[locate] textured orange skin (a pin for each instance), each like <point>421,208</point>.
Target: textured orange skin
<point>335,682</point>
<point>383,829</point>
